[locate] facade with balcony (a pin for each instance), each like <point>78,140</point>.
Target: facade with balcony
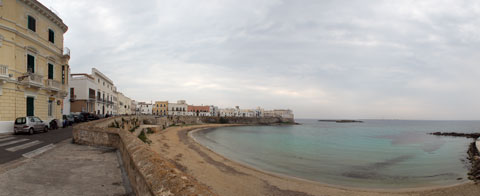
<point>96,93</point>
<point>33,62</point>
<point>82,93</point>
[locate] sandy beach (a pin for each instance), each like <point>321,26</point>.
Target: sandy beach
<point>226,177</point>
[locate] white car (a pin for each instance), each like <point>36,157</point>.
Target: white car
<point>29,124</point>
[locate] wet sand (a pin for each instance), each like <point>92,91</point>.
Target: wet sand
<point>226,177</point>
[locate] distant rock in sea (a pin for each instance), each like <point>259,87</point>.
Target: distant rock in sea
<point>342,121</point>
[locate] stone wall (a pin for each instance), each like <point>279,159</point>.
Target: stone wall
<point>148,172</point>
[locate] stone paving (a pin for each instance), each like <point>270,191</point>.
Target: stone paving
<point>68,169</point>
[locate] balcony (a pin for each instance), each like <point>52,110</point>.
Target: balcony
<point>53,85</point>
<point>4,72</point>
<point>31,79</point>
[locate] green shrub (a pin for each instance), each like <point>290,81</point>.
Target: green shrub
<point>133,129</point>
<point>223,120</point>
<point>149,130</point>
<point>144,138</point>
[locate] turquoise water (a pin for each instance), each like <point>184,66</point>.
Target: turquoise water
<point>386,154</point>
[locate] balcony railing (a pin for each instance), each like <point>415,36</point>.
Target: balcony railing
<point>54,85</point>
<point>32,79</point>
<point>3,72</point>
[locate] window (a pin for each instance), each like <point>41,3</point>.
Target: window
<point>99,81</point>
<point>32,23</point>
<point>50,108</point>
<point>30,63</point>
<point>51,35</point>
<point>63,74</point>
<point>72,93</point>
<point>50,71</point>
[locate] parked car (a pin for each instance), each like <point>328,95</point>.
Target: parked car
<point>78,118</point>
<point>68,120</point>
<point>29,124</point>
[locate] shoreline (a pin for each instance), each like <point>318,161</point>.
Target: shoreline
<point>304,186</point>
<point>399,190</point>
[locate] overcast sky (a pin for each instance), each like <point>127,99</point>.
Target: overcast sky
<point>322,59</point>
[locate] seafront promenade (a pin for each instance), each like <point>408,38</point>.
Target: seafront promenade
<point>67,169</point>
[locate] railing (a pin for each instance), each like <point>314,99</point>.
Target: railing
<point>55,85</point>
<point>3,71</point>
<point>33,79</point>
<point>66,51</point>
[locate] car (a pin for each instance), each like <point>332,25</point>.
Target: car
<point>68,120</point>
<point>78,118</point>
<point>29,124</point>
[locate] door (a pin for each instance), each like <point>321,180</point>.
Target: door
<point>30,106</point>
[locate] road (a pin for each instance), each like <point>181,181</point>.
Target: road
<point>13,147</point>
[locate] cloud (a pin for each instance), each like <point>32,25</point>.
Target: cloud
<point>323,59</point>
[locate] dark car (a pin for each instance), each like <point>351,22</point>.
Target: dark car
<point>78,118</point>
<point>68,120</point>
<point>89,116</point>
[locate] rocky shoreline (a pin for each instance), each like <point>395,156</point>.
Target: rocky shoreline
<point>473,154</point>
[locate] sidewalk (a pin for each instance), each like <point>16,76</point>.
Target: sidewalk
<point>68,169</point>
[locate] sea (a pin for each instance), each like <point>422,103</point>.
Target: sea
<point>375,154</point>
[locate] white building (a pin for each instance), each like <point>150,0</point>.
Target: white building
<point>214,111</point>
<point>82,93</point>
<point>228,112</point>
<point>124,104</point>
<point>145,108</point>
<point>178,109</point>
<point>105,92</point>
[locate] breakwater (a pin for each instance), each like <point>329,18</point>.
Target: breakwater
<point>473,152</point>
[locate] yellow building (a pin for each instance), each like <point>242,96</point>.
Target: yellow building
<point>160,108</point>
<point>33,63</point>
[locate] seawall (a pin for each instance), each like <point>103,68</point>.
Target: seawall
<point>149,172</point>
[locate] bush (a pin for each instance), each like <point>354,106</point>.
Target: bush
<point>150,131</point>
<point>133,129</point>
<point>144,138</point>
<point>114,124</point>
<point>223,120</point>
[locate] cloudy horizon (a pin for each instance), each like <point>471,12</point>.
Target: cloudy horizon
<point>322,59</point>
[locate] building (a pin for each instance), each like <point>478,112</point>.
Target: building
<point>124,104</point>
<point>33,62</point>
<point>82,93</point>
<point>133,106</point>
<point>105,92</point>
<point>284,113</point>
<point>160,108</point>
<point>145,108</point>
<point>178,109</point>
<point>198,110</point>
<point>228,112</point>
<point>94,93</point>
<point>214,111</point>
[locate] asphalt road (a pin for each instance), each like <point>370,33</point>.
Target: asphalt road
<point>13,147</point>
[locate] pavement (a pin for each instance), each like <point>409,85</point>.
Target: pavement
<point>49,164</point>
<point>13,147</point>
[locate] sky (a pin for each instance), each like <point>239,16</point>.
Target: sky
<point>323,59</point>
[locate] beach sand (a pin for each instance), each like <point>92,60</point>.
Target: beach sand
<point>226,177</point>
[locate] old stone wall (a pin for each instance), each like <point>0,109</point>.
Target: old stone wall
<point>149,173</point>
